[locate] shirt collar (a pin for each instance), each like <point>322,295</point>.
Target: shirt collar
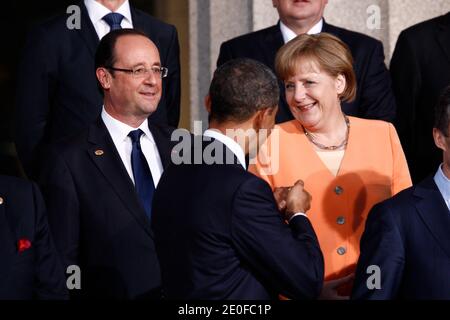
<point>229,143</point>
<point>288,34</point>
<point>443,184</point>
<point>119,131</point>
<point>97,11</point>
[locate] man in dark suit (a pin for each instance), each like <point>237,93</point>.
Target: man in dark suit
<point>420,69</point>
<point>99,185</point>
<point>30,267</point>
<point>374,98</point>
<point>57,94</point>
<point>407,237</point>
<point>223,237</point>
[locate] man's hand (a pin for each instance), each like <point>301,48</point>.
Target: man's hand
<point>297,200</point>
<point>330,288</point>
<point>280,195</point>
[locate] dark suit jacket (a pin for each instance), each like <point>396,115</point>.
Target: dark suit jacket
<point>223,237</point>
<point>408,237</point>
<point>420,69</point>
<point>374,98</point>
<point>57,87</point>
<point>30,273</point>
<point>97,219</point>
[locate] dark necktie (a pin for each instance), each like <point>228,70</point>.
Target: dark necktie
<point>143,180</point>
<point>113,19</point>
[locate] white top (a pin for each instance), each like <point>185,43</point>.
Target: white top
<point>331,159</point>
<point>288,34</point>
<point>237,150</point>
<point>97,11</point>
<point>229,143</point>
<point>443,184</point>
<point>119,133</point>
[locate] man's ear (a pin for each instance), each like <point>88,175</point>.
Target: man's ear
<point>261,116</point>
<point>340,83</point>
<point>439,139</point>
<point>103,77</point>
<point>208,103</point>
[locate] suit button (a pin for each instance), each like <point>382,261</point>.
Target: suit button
<point>341,251</point>
<point>1,200</point>
<point>338,190</point>
<point>340,220</point>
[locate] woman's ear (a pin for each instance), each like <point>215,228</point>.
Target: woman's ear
<point>340,83</point>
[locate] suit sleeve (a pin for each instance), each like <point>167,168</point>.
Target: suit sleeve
<point>63,208</point>
<point>50,276</point>
<point>286,256</point>
<point>34,91</point>
<point>377,98</point>
<point>405,73</point>
<point>173,81</point>
<point>381,246</point>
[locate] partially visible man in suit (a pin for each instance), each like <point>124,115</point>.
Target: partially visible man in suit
<point>223,236</point>
<point>57,95</point>
<point>407,237</point>
<point>99,185</point>
<point>30,267</point>
<point>374,98</point>
<point>420,69</point>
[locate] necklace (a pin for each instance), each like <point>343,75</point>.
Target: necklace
<point>323,147</point>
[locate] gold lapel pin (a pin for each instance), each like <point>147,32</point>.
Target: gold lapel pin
<point>99,152</point>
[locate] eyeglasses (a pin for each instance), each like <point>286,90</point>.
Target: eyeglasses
<point>141,72</point>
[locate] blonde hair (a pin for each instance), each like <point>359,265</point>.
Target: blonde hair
<point>331,54</point>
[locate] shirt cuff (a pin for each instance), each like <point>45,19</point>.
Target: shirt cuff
<point>297,214</point>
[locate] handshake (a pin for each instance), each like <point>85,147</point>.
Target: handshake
<point>292,200</point>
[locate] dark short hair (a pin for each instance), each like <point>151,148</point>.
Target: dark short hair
<point>442,113</point>
<point>105,54</point>
<point>240,88</point>
<point>328,51</point>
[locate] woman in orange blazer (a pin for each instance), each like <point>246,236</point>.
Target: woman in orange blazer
<point>347,164</point>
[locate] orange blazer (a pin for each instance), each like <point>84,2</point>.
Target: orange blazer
<point>373,169</point>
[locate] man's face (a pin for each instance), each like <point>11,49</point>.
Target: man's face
<point>129,94</point>
<point>300,9</point>
<point>443,143</point>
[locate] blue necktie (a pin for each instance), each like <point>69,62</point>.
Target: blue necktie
<point>143,180</point>
<point>113,19</point>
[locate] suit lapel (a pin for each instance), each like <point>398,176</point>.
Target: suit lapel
<point>110,165</point>
<point>87,30</point>
<point>163,144</point>
<point>273,41</point>
<point>434,212</point>
<point>443,34</point>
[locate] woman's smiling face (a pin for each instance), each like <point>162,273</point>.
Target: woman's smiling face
<point>312,94</point>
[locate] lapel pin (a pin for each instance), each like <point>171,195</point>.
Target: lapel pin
<point>99,152</point>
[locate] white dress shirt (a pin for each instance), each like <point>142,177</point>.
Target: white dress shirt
<point>229,143</point>
<point>237,150</point>
<point>443,184</point>
<point>288,34</point>
<point>97,11</point>
<point>119,133</point>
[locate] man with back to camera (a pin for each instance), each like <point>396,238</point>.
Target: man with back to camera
<point>224,237</point>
